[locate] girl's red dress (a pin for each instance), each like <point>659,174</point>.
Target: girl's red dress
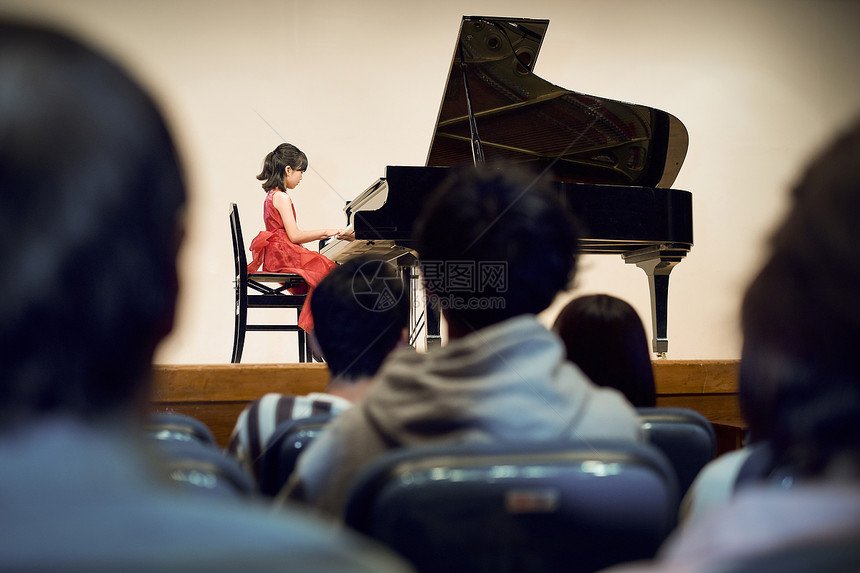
<point>273,249</point>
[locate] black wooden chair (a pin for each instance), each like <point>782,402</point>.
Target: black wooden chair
<point>262,290</point>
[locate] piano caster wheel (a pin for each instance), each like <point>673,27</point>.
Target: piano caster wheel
<point>661,356</point>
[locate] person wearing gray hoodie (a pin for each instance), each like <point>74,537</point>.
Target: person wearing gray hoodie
<point>496,246</point>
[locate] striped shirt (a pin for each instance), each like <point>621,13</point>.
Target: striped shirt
<point>260,419</point>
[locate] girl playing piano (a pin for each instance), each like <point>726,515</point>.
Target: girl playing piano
<point>279,248</point>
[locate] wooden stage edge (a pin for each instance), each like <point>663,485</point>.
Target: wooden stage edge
<point>217,393</point>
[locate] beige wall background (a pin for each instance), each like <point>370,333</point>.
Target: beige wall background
<point>759,84</point>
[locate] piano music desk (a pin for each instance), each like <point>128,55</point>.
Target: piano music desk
<point>217,393</point>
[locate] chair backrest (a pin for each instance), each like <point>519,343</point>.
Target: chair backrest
<point>761,467</point>
<point>685,436</point>
<point>201,469</point>
<point>189,456</point>
<point>833,555</point>
<point>283,449</point>
<point>561,506</point>
<point>240,260</point>
<point>178,427</point>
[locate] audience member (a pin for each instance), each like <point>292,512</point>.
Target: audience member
<point>361,314</point>
<point>496,247</point>
<point>799,385</point>
<point>91,202</point>
<point>604,336</point>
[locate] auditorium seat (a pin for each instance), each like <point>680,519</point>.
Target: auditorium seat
<point>761,468</point>
<point>685,436</point>
<point>200,469</point>
<point>841,555</point>
<point>173,426</point>
<point>187,455</point>
<point>283,448</point>
<point>572,506</point>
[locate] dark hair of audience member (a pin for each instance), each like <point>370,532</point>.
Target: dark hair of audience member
<point>90,201</point>
<point>360,311</point>
<point>505,218</point>
<point>604,336</point>
<point>799,376</point>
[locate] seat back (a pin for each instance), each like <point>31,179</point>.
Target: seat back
<point>245,279</point>
<point>685,436</point>
<point>178,427</point>
<point>200,469</point>
<point>283,449</point>
<point>187,454</point>
<point>840,554</point>
<point>569,506</point>
<point>761,467</point>
<point>240,259</point>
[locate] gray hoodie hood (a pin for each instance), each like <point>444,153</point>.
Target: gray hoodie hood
<point>509,381</point>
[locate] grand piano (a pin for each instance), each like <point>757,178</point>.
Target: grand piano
<point>612,162</point>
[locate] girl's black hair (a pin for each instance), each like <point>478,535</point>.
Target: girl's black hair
<point>285,155</point>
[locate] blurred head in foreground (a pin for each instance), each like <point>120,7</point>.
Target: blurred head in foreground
<point>799,379</point>
<point>91,196</point>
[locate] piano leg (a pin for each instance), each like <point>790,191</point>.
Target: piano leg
<point>424,318</point>
<point>433,321</point>
<point>657,262</point>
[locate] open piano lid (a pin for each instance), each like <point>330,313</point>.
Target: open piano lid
<point>522,118</point>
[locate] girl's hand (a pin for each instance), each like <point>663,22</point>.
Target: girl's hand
<point>346,234</point>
